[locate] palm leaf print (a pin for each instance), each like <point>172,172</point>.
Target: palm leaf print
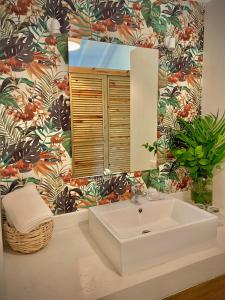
<point>47,90</point>
<point>7,27</point>
<point>8,127</point>
<point>53,185</point>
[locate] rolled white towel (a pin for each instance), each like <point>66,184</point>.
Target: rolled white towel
<point>25,209</point>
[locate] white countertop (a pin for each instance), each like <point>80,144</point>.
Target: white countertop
<point>72,267</point>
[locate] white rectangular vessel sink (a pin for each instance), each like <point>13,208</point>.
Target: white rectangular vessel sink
<point>136,237</point>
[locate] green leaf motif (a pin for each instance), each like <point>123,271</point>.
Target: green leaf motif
<point>66,143</point>
<point>26,81</point>
<point>175,22</point>
<point>62,46</point>
<point>173,176</point>
<point>162,108</point>
<point>8,100</point>
<point>159,25</point>
<point>33,180</point>
<point>171,101</point>
<point>185,7</point>
<point>156,11</point>
<point>151,14</point>
<point>146,11</point>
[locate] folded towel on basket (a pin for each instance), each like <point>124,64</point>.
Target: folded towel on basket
<point>25,209</point>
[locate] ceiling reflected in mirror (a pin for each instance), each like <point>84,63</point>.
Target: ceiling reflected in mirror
<point>98,55</point>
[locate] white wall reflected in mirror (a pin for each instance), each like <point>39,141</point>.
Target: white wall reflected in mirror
<point>143,109</point>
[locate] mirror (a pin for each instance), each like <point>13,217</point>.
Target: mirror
<point>113,96</point>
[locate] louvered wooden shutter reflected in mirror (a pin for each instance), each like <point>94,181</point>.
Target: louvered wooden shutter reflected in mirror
<point>100,120</point>
<point>119,123</point>
<point>87,110</point>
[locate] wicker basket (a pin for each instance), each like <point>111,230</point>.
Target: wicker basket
<point>30,242</point>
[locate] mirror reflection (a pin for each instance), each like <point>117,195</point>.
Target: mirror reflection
<point>113,90</point>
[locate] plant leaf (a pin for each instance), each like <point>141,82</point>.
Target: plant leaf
<point>60,114</point>
<point>62,46</point>
<point>204,161</point>
<point>199,151</point>
<point>8,100</point>
<point>53,185</point>
<point>47,90</point>
<point>8,127</point>
<point>175,22</point>
<point>66,143</point>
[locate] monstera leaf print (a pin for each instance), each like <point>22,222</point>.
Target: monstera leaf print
<point>28,151</point>
<point>16,184</point>
<point>55,9</point>
<point>60,114</point>
<point>169,96</point>
<point>159,20</point>
<point>60,119</point>
<point>65,202</point>
<point>115,11</point>
<point>17,47</point>
<point>153,18</point>
<point>172,10</point>
<point>183,64</point>
<point>146,11</point>
<point>116,184</point>
<point>7,85</point>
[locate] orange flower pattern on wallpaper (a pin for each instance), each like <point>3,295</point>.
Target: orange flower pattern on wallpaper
<point>34,95</point>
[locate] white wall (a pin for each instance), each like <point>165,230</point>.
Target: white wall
<point>143,110</point>
<point>1,258</point>
<point>214,75</point>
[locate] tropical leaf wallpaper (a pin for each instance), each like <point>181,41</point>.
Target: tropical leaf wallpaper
<point>34,91</point>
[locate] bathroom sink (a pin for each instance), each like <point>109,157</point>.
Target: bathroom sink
<point>136,237</point>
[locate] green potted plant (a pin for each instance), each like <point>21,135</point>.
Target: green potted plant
<point>199,146</point>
